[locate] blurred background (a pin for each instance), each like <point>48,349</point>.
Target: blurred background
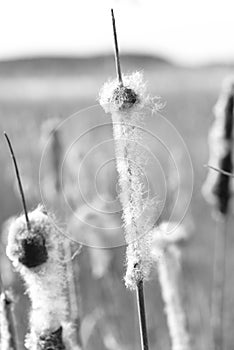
<point>54,58</point>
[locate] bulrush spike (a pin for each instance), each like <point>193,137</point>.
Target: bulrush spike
<point>117,59</point>
<point>19,181</point>
<point>217,190</point>
<point>127,105</point>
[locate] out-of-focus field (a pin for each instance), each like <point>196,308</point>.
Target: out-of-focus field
<point>32,92</point>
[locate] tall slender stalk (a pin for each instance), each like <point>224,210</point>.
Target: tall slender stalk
<point>33,248</point>
<point>167,255</point>
<point>139,285</point>
<point>71,282</point>
<point>8,334</point>
<point>217,191</point>
<point>127,101</point>
<point>218,288</point>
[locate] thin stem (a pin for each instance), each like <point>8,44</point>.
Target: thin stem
<point>72,285</point>
<point>19,181</point>
<point>219,170</point>
<point>9,315</point>
<point>2,289</point>
<point>217,307</point>
<point>11,322</point>
<point>117,59</point>
<point>142,315</point>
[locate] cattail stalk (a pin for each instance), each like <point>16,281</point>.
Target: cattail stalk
<point>33,248</point>
<point>8,335</point>
<point>166,253</point>
<point>71,283</point>
<point>217,191</point>
<point>218,290</point>
<point>127,101</point>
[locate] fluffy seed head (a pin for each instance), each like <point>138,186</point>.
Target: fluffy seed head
<point>30,248</point>
<point>45,278</point>
<point>128,105</point>
<point>167,257</point>
<point>216,189</point>
<point>162,239</point>
<point>169,272</point>
<point>132,95</point>
<point>51,132</point>
<point>124,98</point>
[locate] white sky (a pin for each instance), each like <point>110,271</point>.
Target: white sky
<point>189,31</point>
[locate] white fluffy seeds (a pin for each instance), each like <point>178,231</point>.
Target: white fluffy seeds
<point>45,280</point>
<point>128,105</point>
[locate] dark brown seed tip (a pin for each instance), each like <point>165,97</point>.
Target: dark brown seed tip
<point>124,98</point>
<point>33,250</point>
<point>51,341</point>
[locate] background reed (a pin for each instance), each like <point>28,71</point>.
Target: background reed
<point>34,248</point>
<point>52,134</point>
<point>217,191</point>
<point>8,333</point>
<point>166,253</point>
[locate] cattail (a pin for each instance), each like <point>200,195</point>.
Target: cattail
<point>127,100</point>
<point>34,243</point>
<point>51,135</point>
<point>8,336</point>
<point>128,104</point>
<point>217,191</point>
<point>166,253</point>
<point>50,129</point>
<point>37,256</point>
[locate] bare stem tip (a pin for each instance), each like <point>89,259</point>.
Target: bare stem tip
<point>117,59</point>
<point>221,171</point>
<point>18,180</point>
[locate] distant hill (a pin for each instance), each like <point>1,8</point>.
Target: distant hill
<point>75,65</point>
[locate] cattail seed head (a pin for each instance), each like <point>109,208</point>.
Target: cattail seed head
<point>217,189</point>
<point>33,251</point>
<point>162,238</point>
<point>128,104</point>
<point>45,278</point>
<point>50,131</point>
<point>124,98</point>
<point>169,272</point>
<point>29,248</point>
<point>117,98</point>
<point>167,257</point>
